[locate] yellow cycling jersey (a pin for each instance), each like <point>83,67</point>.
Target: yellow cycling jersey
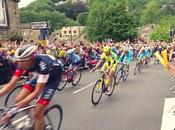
<point>111,59</point>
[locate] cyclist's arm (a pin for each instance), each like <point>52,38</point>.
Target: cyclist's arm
<point>98,64</point>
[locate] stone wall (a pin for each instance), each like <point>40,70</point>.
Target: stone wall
<point>13,19</point>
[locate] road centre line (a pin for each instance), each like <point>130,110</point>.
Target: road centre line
<point>84,87</point>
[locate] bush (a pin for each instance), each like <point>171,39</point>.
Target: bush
<point>16,37</point>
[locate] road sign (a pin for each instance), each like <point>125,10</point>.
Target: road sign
<point>40,25</point>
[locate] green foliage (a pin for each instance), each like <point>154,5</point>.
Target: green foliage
<point>16,37</point>
<point>112,21</point>
<point>162,29</point>
<point>151,14</point>
<point>57,20</point>
<point>72,9</point>
<point>82,18</point>
<point>45,10</point>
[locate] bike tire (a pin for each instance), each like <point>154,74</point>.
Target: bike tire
<point>74,83</point>
<point>118,77</point>
<point>46,114</point>
<point>94,91</point>
<point>126,73</point>
<point>6,103</point>
<point>136,70</point>
<point>63,83</point>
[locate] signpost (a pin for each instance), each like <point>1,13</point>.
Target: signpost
<point>40,25</point>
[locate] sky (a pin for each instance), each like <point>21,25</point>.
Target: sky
<point>24,3</point>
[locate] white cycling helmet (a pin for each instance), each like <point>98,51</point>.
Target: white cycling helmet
<point>71,51</point>
<point>25,52</point>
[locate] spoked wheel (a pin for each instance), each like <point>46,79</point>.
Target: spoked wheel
<point>53,117</point>
<point>76,77</point>
<point>10,99</point>
<point>118,76</point>
<point>113,86</point>
<point>63,82</point>
<point>126,73</point>
<point>97,92</point>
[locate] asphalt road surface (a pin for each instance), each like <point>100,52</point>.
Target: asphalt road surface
<point>137,104</point>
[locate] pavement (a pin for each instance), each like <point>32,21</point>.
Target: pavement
<point>137,104</point>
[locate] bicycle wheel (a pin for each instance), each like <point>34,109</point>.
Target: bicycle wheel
<point>118,76</point>
<point>76,77</point>
<point>113,86</point>
<point>97,92</point>
<point>10,99</point>
<point>125,73</point>
<point>63,82</point>
<point>136,70</point>
<point>53,117</point>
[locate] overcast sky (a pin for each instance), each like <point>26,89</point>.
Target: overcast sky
<point>24,3</point>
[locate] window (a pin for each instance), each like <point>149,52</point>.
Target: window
<point>3,14</point>
<point>65,32</point>
<point>69,32</point>
<point>75,31</point>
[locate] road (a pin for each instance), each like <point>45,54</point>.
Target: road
<point>137,104</point>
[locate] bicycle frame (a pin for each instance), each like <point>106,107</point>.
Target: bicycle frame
<point>14,124</point>
<point>104,79</point>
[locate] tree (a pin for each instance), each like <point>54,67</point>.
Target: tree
<point>72,9</point>
<point>112,21</point>
<point>151,14</point>
<point>45,10</point>
<point>161,32</point>
<point>57,20</point>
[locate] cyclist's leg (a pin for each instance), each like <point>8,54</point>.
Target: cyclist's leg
<point>104,67</point>
<point>111,73</point>
<point>45,98</point>
<point>39,116</point>
<point>76,65</point>
<point>22,94</point>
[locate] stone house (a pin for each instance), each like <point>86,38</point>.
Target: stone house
<point>9,18</point>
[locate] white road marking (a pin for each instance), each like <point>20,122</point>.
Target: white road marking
<point>168,118</point>
<point>84,87</point>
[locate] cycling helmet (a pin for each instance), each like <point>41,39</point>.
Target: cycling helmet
<point>62,53</point>
<point>106,49</point>
<point>24,52</point>
<point>71,51</point>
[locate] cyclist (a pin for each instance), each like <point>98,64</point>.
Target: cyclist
<point>109,60</point>
<point>126,57</point>
<point>73,59</point>
<point>142,55</point>
<point>47,71</point>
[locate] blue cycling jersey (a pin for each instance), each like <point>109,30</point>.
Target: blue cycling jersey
<point>126,57</point>
<point>47,69</point>
<point>142,55</point>
<point>45,66</point>
<point>73,58</point>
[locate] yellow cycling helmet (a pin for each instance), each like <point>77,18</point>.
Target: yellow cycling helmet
<point>106,49</point>
<point>62,53</point>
